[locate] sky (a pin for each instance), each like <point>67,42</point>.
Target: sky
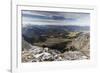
<point>31,17</point>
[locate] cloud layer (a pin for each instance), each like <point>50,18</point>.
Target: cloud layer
<point>54,18</point>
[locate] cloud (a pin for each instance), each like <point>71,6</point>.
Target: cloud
<point>55,18</point>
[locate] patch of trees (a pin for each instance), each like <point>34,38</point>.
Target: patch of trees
<point>60,46</point>
<point>34,39</point>
<point>42,39</point>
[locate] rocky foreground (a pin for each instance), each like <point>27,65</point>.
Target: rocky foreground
<point>39,54</point>
<point>81,45</point>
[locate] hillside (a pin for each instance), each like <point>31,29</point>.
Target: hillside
<point>55,45</point>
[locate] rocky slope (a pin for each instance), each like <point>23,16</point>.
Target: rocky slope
<point>39,54</point>
<point>25,45</point>
<point>81,43</point>
<point>77,49</point>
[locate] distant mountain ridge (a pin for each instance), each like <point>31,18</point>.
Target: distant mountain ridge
<point>43,29</point>
<point>36,31</point>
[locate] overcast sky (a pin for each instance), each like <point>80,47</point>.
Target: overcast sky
<point>55,18</point>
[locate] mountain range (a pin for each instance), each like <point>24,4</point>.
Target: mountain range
<point>36,31</point>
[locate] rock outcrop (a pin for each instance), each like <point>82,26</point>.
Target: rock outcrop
<point>81,43</point>
<point>25,45</point>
